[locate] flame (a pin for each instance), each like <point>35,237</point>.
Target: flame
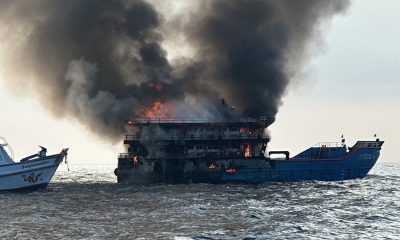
<point>243,130</point>
<point>247,151</point>
<point>157,110</point>
<point>135,160</point>
<point>154,110</point>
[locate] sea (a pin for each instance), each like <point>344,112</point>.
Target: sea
<point>87,203</point>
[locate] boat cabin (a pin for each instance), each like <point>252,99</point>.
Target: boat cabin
<point>173,138</point>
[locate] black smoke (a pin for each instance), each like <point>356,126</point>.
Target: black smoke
<point>102,62</point>
<point>251,49</point>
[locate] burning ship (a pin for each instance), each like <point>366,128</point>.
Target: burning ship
<point>117,63</point>
<point>233,150</point>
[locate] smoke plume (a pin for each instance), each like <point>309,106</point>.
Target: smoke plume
<point>103,62</point>
<point>251,48</point>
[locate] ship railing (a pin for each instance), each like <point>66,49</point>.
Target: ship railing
<point>183,120</point>
<point>188,138</point>
<point>123,155</point>
<point>4,143</point>
<point>128,155</point>
<point>264,119</point>
<point>132,137</point>
<point>329,144</point>
<point>368,144</point>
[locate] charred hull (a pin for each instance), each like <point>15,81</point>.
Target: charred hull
<point>232,152</point>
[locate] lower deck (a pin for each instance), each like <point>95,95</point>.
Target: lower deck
<point>355,164</point>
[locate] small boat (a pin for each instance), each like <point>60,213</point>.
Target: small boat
<point>30,173</point>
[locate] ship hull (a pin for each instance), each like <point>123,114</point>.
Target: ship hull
<point>29,175</point>
<point>355,164</point>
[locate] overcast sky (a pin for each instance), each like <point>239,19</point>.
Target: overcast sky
<point>351,87</point>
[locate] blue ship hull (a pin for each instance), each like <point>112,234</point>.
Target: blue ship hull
<point>350,167</point>
<point>322,163</point>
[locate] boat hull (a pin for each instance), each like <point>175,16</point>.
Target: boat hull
<point>29,175</point>
<point>355,164</point>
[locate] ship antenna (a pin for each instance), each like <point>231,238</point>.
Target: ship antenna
<point>376,137</point>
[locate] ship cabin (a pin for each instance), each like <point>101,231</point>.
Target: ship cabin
<point>194,139</point>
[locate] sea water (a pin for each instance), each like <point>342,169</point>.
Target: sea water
<point>87,203</point>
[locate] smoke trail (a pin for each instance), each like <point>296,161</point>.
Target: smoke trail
<point>103,61</point>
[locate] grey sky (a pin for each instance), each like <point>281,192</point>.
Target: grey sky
<point>352,87</point>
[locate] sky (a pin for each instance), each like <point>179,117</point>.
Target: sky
<point>350,87</point>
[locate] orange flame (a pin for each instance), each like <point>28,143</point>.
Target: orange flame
<point>247,150</point>
<point>154,110</point>
<point>157,110</point>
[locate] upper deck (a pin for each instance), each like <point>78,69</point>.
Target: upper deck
<point>196,129</point>
<point>180,122</point>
